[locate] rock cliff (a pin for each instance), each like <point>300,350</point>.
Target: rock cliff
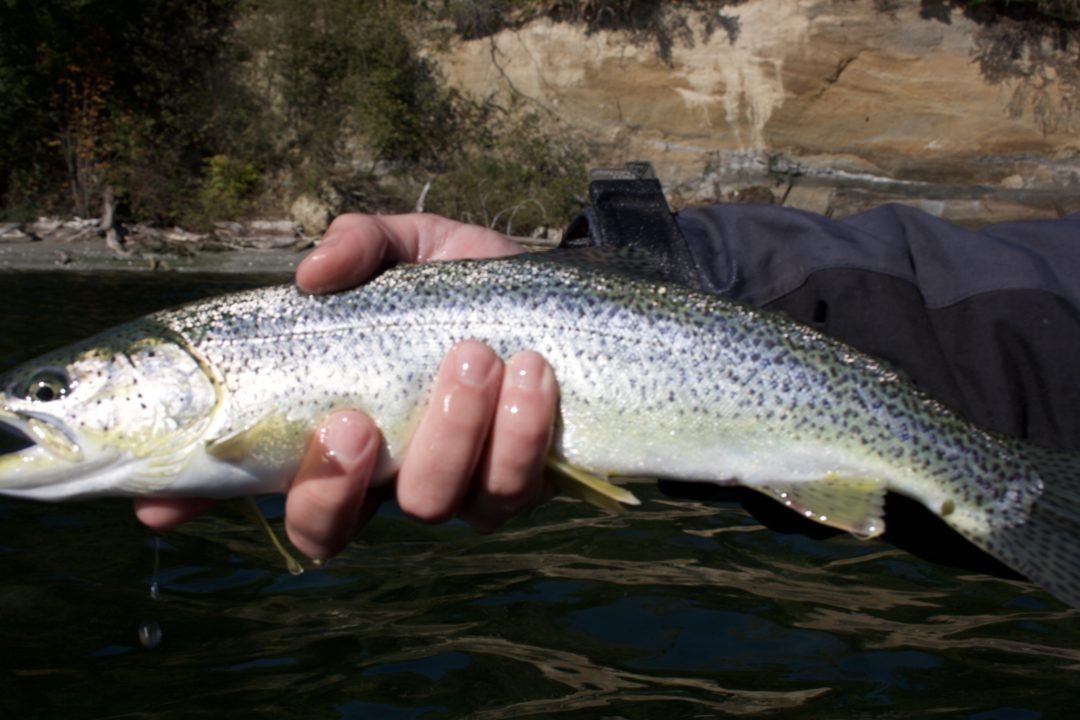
<point>833,105</point>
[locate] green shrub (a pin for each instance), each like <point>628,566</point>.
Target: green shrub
<point>527,176</point>
<point>228,188</point>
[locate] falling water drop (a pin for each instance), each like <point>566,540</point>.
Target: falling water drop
<point>150,630</point>
<point>154,587</point>
<point>149,634</point>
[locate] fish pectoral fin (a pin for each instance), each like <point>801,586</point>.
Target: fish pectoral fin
<point>251,509</point>
<point>856,505</point>
<point>236,446</point>
<point>587,486</point>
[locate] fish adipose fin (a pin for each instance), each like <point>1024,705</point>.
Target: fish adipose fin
<point>1044,545</point>
<point>852,504</point>
<point>251,509</point>
<point>591,488</point>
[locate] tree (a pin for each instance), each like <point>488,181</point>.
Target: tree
<point>91,85</point>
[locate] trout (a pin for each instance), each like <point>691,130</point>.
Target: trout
<point>218,398</point>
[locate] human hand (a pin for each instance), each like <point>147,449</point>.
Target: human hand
<point>479,450</point>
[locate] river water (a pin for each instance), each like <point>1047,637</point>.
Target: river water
<point>677,609</point>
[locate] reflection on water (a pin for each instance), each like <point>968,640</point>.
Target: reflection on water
<point>674,609</point>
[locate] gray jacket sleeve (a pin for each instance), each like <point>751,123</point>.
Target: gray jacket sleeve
<point>987,321</point>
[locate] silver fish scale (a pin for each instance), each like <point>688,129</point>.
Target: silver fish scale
<point>654,379</point>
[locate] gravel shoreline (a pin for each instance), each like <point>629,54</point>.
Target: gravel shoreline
<point>230,250</point>
<point>94,257</point>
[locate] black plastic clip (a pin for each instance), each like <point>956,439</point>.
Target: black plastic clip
<point>629,210</point>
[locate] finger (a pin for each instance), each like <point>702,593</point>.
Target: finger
<point>511,477</point>
<point>323,507</point>
<point>352,250</point>
<point>443,453</point>
<point>355,246</point>
<point>166,513</point>
<point>438,238</point>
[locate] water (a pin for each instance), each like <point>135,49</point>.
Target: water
<point>673,610</point>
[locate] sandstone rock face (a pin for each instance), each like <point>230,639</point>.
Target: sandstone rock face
<point>833,104</point>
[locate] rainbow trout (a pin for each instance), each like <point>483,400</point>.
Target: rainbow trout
<point>217,399</point>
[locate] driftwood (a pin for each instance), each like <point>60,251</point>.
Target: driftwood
<point>124,239</point>
<point>108,226</point>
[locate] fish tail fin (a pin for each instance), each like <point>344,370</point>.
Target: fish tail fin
<point>1045,545</point>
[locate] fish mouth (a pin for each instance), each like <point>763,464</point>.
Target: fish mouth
<point>11,440</point>
<point>42,429</point>
<point>41,458</point>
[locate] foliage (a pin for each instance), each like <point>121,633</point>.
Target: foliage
<point>1066,10</point>
<point>227,187</point>
<point>89,85</point>
<point>529,177</point>
<point>663,24</point>
<point>1032,60</point>
<point>215,109</point>
<point>333,65</point>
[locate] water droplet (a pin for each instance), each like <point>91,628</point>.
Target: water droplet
<point>154,586</point>
<point>149,634</point>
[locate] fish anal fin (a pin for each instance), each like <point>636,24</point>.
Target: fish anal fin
<point>856,505</point>
<point>587,486</point>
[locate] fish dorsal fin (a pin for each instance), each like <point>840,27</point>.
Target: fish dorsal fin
<point>856,505</point>
<point>589,487</point>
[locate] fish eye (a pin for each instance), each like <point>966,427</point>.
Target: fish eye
<point>47,384</point>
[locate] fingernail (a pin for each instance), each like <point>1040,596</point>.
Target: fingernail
<point>318,255</point>
<point>526,371</point>
<point>343,443</point>
<point>313,258</point>
<point>473,363</point>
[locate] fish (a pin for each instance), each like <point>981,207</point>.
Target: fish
<point>218,399</point>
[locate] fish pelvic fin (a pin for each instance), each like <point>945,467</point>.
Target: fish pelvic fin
<point>251,509</point>
<point>856,505</point>
<point>591,488</point>
<point>1043,544</point>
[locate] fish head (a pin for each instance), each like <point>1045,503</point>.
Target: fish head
<point>117,414</point>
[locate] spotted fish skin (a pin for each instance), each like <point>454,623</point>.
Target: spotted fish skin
<point>655,380</point>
